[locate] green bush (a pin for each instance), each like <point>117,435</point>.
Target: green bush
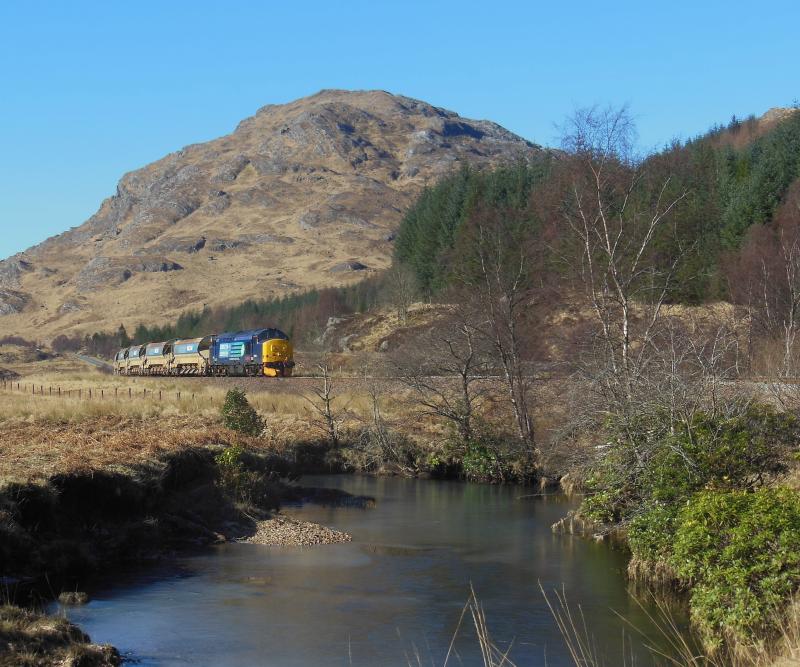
<point>482,462</point>
<point>239,415</point>
<point>246,482</point>
<point>601,506</point>
<point>742,451</point>
<point>741,553</point>
<point>650,533</point>
<point>490,457</point>
<point>231,469</point>
<point>664,466</point>
<point>698,509</point>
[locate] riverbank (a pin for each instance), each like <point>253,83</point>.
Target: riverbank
<point>401,582</point>
<point>29,639</point>
<point>711,513</point>
<point>92,495</point>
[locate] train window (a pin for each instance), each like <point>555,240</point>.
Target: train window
<point>233,350</point>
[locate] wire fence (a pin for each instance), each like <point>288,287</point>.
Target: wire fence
<point>90,394</point>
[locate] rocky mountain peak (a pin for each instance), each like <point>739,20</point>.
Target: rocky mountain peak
<point>293,194</point>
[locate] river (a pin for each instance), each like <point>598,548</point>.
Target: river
<point>391,597</point>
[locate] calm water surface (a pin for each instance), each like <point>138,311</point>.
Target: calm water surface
<point>391,597</point>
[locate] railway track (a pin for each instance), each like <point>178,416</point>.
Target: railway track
<point>94,361</point>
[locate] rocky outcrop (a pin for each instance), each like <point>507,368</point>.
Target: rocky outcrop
<point>182,244</point>
<point>70,306</point>
<point>12,301</point>
<point>12,269</point>
<point>105,272</point>
<point>247,241</point>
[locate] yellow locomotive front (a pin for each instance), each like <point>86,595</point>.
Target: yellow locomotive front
<point>277,357</point>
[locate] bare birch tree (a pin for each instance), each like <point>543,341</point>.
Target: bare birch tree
<point>768,281</point>
<point>402,289</point>
<point>322,398</point>
<point>497,269</point>
<point>448,378</point>
<point>615,213</point>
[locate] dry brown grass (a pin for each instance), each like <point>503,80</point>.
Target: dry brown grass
<point>35,450</point>
<point>100,420</point>
<point>31,639</point>
<point>44,434</point>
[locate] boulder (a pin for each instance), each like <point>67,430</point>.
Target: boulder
<point>352,265</point>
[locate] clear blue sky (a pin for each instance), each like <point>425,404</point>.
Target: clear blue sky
<point>90,90</point>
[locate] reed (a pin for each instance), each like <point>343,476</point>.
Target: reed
<point>668,644</point>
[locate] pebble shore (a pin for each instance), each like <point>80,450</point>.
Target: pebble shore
<point>282,531</point>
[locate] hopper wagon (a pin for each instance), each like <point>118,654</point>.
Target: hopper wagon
<point>121,362</point>
<point>190,356</point>
<point>134,360</point>
<point>157,358</point>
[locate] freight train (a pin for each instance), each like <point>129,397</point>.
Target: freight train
<point>242,353</point>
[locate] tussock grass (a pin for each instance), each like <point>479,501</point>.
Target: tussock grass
<point>659,575</point>
<point>31,639</point>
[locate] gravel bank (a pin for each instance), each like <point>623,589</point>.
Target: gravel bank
<point>282,531</point>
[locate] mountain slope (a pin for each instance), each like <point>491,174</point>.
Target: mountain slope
<point>303,194</point>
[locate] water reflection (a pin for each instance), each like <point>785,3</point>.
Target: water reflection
<point>396,592</point>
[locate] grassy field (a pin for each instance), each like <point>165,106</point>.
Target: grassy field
<point>62,418</point>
